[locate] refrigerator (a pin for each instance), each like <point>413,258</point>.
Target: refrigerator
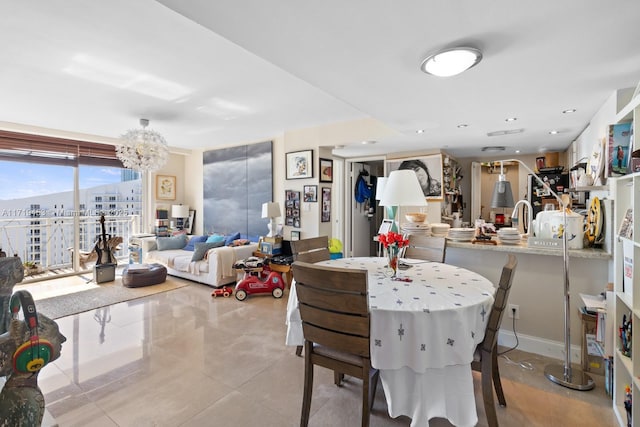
<point>538,195</point>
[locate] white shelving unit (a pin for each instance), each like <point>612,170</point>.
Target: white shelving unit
<point>626,193</point>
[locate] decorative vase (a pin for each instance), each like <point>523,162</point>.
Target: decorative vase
<point>392,253</point>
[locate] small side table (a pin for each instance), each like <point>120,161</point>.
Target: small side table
<point>284,269</point>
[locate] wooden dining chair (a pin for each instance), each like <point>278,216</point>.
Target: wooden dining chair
<point>485,358</point>
<point>314,249</point>
<point>428,248</point>
<point>335,322</point>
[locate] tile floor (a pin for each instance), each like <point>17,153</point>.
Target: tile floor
<point>183,358</point>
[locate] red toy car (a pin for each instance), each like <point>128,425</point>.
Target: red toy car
<point>224,291</point>
<point>260,280</point>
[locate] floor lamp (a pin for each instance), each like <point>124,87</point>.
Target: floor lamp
<point>402,188</point>
<point>562,374</point>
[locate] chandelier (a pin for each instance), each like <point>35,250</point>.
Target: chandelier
<point>143,150</point>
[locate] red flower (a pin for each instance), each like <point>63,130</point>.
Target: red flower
<point>393,239</point>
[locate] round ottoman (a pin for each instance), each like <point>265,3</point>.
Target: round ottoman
<point>156,273</point>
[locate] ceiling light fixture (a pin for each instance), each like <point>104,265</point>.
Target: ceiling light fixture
<point>511,119</point>
<point>450,62</point>
<point>462,125</point>
<point>553,132</point>
<point>569,111</point>
<point>143,150</point>
<point>419,131</point>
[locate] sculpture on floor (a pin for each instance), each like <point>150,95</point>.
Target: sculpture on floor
<point>26,346</point>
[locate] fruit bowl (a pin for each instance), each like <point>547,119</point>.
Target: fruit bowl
<point>416,217</point>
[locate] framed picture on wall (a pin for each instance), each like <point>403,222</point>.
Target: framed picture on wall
<point>292,208</point>
<point>310,193</point>
<point>295,235</point>
<point>326,204</point>
<point>300,164</point>
<point>326,170</point>
<point>429,172</point>
<point>165,187</point>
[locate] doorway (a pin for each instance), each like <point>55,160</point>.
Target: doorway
<point>363,216</point>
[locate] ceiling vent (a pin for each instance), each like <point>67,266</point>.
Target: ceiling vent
<point>505,132</point>
<point>494,148</point>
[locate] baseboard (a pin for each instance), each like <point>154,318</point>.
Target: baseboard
<point>537,345</point>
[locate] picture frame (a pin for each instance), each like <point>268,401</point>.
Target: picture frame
<point>299,164</point>
<point>310,193</point>
<point>326,170</point>
<point>165,187</point>
<point>292,208</point>
<point>326,205</point>
<point>429,170</point>
<point>295,235</point>
<point>190,221</point>
<point>385,226</point>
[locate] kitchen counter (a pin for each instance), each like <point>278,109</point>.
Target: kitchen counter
<point>522,248</point>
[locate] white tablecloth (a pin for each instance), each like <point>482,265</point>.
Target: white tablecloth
<point>423,334</point>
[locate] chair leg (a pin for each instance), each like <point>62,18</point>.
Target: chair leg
<point>495,373</point>
<point>366,396</point>
<point>487,390</point>
<point>338,378</point>
<point>299,350</point>
<point>308,388</point>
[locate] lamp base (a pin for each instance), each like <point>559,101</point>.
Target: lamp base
<point>576,379</point>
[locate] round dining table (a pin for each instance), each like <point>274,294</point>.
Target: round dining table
<point>425,326</point>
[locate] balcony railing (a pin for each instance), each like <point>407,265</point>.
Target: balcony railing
<point>47,243</point>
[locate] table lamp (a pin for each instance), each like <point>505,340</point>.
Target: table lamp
<point>180,212</point>
<point>271,210</point>
<point>390,210</point>
<point>402,188</point>
<point>562,374</point>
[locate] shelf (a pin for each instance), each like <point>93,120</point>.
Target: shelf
<point>589,188</point>
<point>626,114</point>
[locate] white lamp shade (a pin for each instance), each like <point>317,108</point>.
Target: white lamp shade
<point>403,189</point>
<point>270,210</point>
<point>180,211</point>
<point>380,184</point>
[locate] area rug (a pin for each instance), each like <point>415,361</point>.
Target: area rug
<point>99,295</point>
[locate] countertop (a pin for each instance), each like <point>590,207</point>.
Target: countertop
<point>522,248</point>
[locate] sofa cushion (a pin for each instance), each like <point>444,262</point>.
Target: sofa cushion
<point>192,242</point>
<point>168,243</point>
<point>230,238</point>
<point>216,238</point>
<point>201,249</point>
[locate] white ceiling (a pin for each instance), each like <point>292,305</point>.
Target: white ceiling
<point>220,73</point>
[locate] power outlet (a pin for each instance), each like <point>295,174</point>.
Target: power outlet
<point>514,311</point>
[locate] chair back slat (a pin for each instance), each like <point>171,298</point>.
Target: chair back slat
<point>311,250</point>
<point>331,278</point>
<point>500,304</point>
<point>343,302</point>
<point>426,247</point>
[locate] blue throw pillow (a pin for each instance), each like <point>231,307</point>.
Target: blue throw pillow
<point>230,238</point>
<point>168,243</point>
<point>192,242</point>
<point>202,248</point>
<point>215,238</point>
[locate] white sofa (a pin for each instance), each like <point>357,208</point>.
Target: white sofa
<point>216,269</point>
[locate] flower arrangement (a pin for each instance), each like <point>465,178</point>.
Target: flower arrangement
<point>392,242</point>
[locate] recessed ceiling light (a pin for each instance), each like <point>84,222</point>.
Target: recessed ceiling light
<point>450,62</point>
<point>569,111</point>
<point>419,131</point>
<point>511,119</point>
<point>463,125</point>
<point>517,151</point>
<point>368,142</point>
<point>553,132</point>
